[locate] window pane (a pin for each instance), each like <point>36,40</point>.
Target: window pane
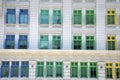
<point>56,16</point>
<point>44,17</point>
<point>74,69</point>
<point>40,69</point>
<point>44,42</point>
<point>59,69</point>
<point>117,72</point>
<point>56,42</point>
<point>5,69</point>
<point>25,69</point>
<point>49,69</point>
<point>84,72</point>
<point>15,69</point>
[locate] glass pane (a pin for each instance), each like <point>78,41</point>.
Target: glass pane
<point>23,44</point>
<point>77,19</point>
<point>84,72</point>
<point>9,44</point>
<point>14,71</point>
<point>77,44</point>
<point>24,71</point>
<point>117,72</point>
<point>5,71</point>
<point>93,72</point>
<point>74,71</point>
<point>40,71</point>
<point>44,19</point>
<point>56,44</point>
<point>90,45</point>
<point>56,19</point>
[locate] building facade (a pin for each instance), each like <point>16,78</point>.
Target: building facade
<point>60,40</point>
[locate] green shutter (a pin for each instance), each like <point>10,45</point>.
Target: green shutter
<point>90,17</point>
<point>90,43</point>
<point>84,70</point>
<point>40,69</point>
<point>77,17</point>
<point>77,42</point>
<point>74,69</point>
<point>49,69</point>
<point>93,70</point>
<point>59,69</point>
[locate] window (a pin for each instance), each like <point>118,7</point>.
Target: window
<point>44,17</point>
<point>90,43</point>
<point>40,69</point>
<point>118,70</point>
<point>57,18</point>
<point>77,17</point>
<point>23,42</point>
<point>59,69</point>
<point>23,16</point>
<point>10,42</point>
<point>111,17</point>
<point>44,42</point>
<point>93,70</point>
<point>11,16</point>
<point>74,69</point>
<point>5,69</point>
<point>56,43</point>
<point>90,17</point>
<point>77,40</point>
<point>83,69</point>
<point>25,69</point>
<point>111,43</point>
<point>15,69</point>
<point>109,70</point>
<point>49,68</point>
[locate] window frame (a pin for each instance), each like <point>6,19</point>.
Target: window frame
<point>84,65</point>
<point>78,39</point>
<point>110,13</point>
<point>91,15</point>
<point>93,65</point>
<point>111,39</point>
<point>74,65</point>
<point>44,12</point>
<point>59,65</point>
<point>90,39</point>
<point>40,65</point>
<point>24,13</point>
<point>44,40</point>
<point>12,14</point>
<point>57,14</point>
<point>23,39</point>
<point>78,13</point>
<point>56,39</point>
<point>109,65</point>
<point>11,40</point>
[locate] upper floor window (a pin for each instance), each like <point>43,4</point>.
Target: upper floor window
<point>93,70</point>
<point>24,69</point>
<point>111,17</point>
<point>23,42</point>
<point>5,69</point>
<point>10,42</point>
<point>111,42</point>
<point>23,16</point>
<point>40,69</point>
<point>109,70</point>
<point>15,69</point>
<point>11,16</point>
<point>77,42</point>
<point>84,69</point>
<point>56,42</point>
<point>44,17</point>
<point>90,43</point>
<point>74,69</point>
<point>44,43</point>
<point>77,17</point>
<point>90,17</point>
<point>57,17</point>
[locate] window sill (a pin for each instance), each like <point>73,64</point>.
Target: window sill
<point>111,26</point>
<point>57,25</point>
<point>11,25</point>
<point>44,25</point>
<point>77,25</point>
<point>23,25</point>
<point>90,25</point>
